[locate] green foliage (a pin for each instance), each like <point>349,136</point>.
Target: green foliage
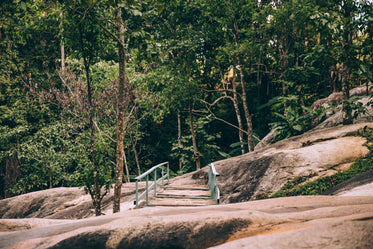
<point>354,107</point>
<point>209,150</point>
<point>294,121</point>
<point>179,55</point>
<point>83,174</point>
<point>48,160</point>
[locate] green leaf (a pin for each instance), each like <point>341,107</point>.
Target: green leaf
<point>23,5</point>
<point>223,154</point>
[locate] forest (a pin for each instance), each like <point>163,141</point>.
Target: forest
<point>92,93</point>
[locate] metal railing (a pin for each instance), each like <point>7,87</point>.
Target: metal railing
<point>148,188</point>
<point>213,183</point>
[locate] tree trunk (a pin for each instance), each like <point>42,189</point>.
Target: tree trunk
<point>179,136</point>
<point>333,78</point>
<point>62,44</point>
<point>136,155</point>
<point>12,171</point>
<point>127,178</point>
<point>347,112</point>
<point>97,189</point>
<point>345,69</point>
<point>93,146</point>
<point>258,77</point>
<point>238,114</point>
<point>195,149</point>
<point>120,119</point>
<point>50,178</point>
<point>94,151</point>
<point>248,117</point>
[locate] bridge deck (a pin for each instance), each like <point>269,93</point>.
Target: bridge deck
<point>182,195</point>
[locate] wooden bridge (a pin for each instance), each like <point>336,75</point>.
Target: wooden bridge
<point>161,193</point>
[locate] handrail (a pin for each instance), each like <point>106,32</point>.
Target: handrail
<point>154,185</point>
<point>213,183</point>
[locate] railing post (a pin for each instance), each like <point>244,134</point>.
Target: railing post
<point>137,194</point>
<point>146,190</point>
<point>213,183</point>
<point>168,172</point>
<point>155,183</point>
<point>210,180</point>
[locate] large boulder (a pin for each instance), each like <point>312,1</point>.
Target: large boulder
<point>314,154</point>
<point>62,203</point>
<point>336,97</point>
<point>336,118</point>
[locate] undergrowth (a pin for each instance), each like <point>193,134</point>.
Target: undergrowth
<point>292,188</point>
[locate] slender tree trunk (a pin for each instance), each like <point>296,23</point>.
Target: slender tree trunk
<point>179,136</point>
<point>345,69</point>
<point>50,178</point>
<point>195,149</point>
<point>12,171</point>
<point>367,88</point>
<point>93,146</point>
<point>62,44</point>
<point>283,66</point>
<point>258,77</point>
<point>97,189</point>
<point>347,115</point>
<point>248,116</point>
<point>120,119</point>
<point>238,114</point>
<point>333,77</point>
<point>136,155</point>
<point>127,178</point>
<point>301,100</point>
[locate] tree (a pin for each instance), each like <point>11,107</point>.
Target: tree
<point>122,85</point>
<point>348,10</point>
<point>186,76</point>
<point>118,33</point>
<point>27,63</point>
<point>232,17</point>
<point>180,46</point>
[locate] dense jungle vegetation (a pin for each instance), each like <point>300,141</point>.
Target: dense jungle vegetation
<point>94,92</point>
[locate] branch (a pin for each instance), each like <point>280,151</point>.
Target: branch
<point>111,34</point>
<point>224,90</point>
<point>230,124</point>
<point>60,74</point>
<point>101,25</point>
<point>238,128</point>
<point>103,195</point>
<point>106,135</point>
<point>226,122</point>
<point>217,100</point>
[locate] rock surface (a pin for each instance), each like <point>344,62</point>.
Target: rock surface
<point>314,154</point>
<point>62,203</point>
<point>341,218</point>
<point>292,222</point>
<point>336,117</point>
